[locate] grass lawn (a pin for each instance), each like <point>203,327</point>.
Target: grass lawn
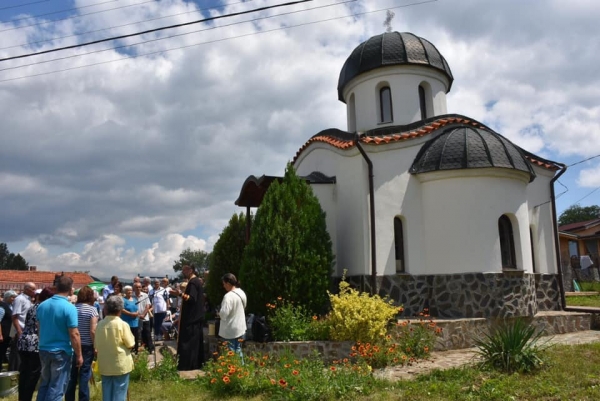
<point>571,373</point>
<point>593,300</point>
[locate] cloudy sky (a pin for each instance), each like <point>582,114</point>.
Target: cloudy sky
<point>116,161</point>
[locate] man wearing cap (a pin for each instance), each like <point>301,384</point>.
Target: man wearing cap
<point>20,307</point>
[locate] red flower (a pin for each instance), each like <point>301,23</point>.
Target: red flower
<point>282,383</point>
<point>226,379</point>
<point>295,372</point>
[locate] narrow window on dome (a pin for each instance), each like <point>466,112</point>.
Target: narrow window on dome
<point>399,245</point>
<point>507,243</point>
<point>422,102</point>
<point>385,101</point>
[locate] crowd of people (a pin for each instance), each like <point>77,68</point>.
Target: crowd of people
<point>54,335</point>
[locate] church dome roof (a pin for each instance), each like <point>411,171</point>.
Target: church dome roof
<point>392,48</point>
<point>470,147</point>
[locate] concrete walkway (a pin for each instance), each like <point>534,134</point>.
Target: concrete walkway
<point>438,360</point>
<point>462,357</point>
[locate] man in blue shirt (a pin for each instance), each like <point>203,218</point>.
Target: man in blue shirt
<point>58,338</point>
<point>109,289</point>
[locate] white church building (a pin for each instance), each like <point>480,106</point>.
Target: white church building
<point>436,210</point>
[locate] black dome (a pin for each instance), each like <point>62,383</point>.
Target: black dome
<point>469,147</point>
<point>391,48</point>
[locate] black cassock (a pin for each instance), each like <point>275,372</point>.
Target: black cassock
<point>190,344</point>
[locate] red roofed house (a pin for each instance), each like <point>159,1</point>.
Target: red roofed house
<point>16,279</point>
<point>579,239</point>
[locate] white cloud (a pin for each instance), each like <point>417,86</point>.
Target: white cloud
<point>589,177</point>
<point>109,256</point>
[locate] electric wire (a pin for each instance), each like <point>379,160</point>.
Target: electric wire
<point>23,5</point>
<point>124,25</point>
<point>582,161</point>
<point>594,190</point>
<point>61,11</point>
<point>156,30</point>
<point>75,16</point>
<point>176,35</point>
<point>215,41</point>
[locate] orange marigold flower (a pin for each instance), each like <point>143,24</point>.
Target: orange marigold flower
<point>438,330</point>
<point>315,317</point>
<point>240,376</point>
<point>401,309</point>
<point>213,380</point>
<point>262,364</point>
<point>220,370</point>
<point>279,298</point>
<point>282,382</point>
<point>230,353</point>
<point>273,382</point>
<point>395,360</point>
<point>404,357</point>
<point>353,354</point>
<point>215,353</point>
<point>226,379</point>
<point>353,348</point>
<point>297,362</point>
<point>287,365</point>
<point>426,349</point>
<point>332,368</point>
<point>345,360</point>
<point>265,357</point>
<point>295,372</point>
<point>232,370</point>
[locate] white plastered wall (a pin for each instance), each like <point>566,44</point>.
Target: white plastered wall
<point>461,209</point>
<point>347,210</point>
<point>541,222</point>
<point>404,81</point>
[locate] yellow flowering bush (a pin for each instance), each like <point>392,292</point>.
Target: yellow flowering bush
<point>357,316</point>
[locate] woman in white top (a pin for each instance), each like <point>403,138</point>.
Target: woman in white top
<point>233,316</point>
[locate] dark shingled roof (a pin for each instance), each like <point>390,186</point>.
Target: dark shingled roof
<point>391,48</point>
<point>470,147</point>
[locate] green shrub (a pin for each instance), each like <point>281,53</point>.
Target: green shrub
<point>141,371</point>
<point>511,347</point>
<point>166,369</point>
<point>289,253</point>
<point>589,286</point>
<point>226,256</point>
<point>357,316</point>
<point>288,322</point>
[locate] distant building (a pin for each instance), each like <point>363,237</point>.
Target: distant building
<point>16,279</point>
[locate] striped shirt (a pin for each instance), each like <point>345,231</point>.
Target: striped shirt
<point>85,313</point>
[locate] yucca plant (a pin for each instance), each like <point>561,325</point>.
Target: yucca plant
<point>512,347</point>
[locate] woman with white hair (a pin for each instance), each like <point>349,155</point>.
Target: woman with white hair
<point>114,342</point>
<point>5,323</point>
<point>130,313</point>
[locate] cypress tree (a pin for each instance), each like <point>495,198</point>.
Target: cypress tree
<point>226,256</point>
<point>289,254</point>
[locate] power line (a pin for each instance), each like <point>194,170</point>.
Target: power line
<point>23,5</point>
<point>61,11</point>
<point>157,29</point>
<point>215,41</point>
<point>121,26</point>
<point>582,161</point>
<point>594,190</point>
<point>76,16</point>
<point>176,35</point>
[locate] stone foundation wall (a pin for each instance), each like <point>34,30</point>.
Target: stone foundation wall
<point>469,295</point>
<point>456,334</point>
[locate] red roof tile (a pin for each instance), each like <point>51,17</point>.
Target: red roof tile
<point>17,278</point>
<point>402,136</point>
<point>578,225</point>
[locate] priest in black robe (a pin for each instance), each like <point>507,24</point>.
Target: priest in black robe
<point>190,343</point>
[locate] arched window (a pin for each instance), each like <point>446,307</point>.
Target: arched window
<point>352,114</point>
<point>385,102</point>
<point>532,249</point>
<point>422,102</point>
<point>399,245</point>
<point>507,243</point>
